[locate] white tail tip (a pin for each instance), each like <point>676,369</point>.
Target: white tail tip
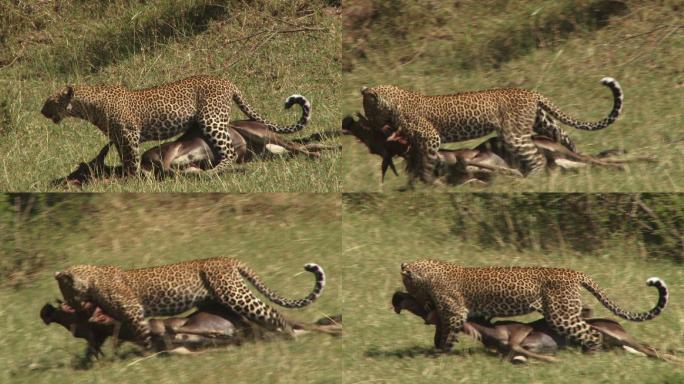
<point>276,149</point>
<point>292,99</point>
<point>608,80</point>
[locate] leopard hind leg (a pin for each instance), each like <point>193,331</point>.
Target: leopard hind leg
<point>516,134</point>
<point>452,316</point>
<point>545,125</point>
<point>563,312</point>
<point>230,291</point>
<point>215,124</point>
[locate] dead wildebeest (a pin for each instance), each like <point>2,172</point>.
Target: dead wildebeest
<point>191,153</point>
<point>478,164</point>
<point>518,341</point>
<point>209,326</point>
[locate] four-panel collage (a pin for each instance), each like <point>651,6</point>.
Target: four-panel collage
<point>326,191</point>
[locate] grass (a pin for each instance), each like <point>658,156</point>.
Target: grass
<point>469,45</point>
<point>276,234</point>
<point>359,240</point>
<point>381,346</point>
<point>269,49</point>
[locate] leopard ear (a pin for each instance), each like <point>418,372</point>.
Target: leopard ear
<point>62,275</point>
<point>69,94</point>
<point>68,91</point>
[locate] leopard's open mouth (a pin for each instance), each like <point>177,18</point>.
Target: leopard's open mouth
<point>87,308</point>
<point>67,308</point>
<point>61,312</point>
<point>88,312</point>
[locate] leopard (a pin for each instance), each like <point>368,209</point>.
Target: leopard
<point>512,113</point>
<point>132,295</point>
<point>545,125</point>
<point>130,117</point>
<point>458,293</point>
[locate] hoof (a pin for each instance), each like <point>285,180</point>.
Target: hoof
<point>519,359</point>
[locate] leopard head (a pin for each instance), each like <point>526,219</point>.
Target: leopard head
<point>412,277</point>
<point>75,284</point>
<point>59,104</point>
<point>380,104</point>
<point>418,275</point>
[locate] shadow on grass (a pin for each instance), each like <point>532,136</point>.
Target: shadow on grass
<point>117,40</point>
<point>411,352</point>
<point>84,361</point>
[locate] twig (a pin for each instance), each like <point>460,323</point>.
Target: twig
<point>415,56</point>
<point>653,46</point>
<point>247,37</point>
<point>298,29</point>
<point>22,50</point>
<point>644,33</point>
<point>10,63</point>
<point>658,222</point>
<point>144,358</point>
<point>256,47</point>
<point>300,26</point>
<point>264,41</point>
<point>301,29</point>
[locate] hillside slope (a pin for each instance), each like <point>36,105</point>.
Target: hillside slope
<point>269,49</point>
<point>561,49</point>
<point>55,231</point>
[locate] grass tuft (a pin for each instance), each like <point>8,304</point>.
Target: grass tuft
<point>382,231</point>
<point>275,234</point>
<point>269,49</point>
<point>560,49</point>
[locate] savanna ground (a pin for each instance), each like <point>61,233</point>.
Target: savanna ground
<point>382,231</point>
<point>276,234</point>
<point>559,48</point>
<point>269,49</point>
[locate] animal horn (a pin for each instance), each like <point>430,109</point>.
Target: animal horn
<point>387,162</point>
<point>391,164</point>
<point>99,159</point>
<point>362,118</point>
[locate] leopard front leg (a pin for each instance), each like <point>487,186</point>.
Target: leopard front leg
<point>133,316</point>
<point>128,145</point>
<point>123,305</point>
<point>452,315</point>
<point>423,155</point>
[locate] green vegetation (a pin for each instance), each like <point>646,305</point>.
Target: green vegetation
<point>382,231</point>
<point>559,48</point>
<point>270,49</point>
<point>276,234</point>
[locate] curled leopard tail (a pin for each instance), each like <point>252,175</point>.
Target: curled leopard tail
<point>614,113</point>
<point>289,102</point>
<point>316,269</point>
<point>663,294</point>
